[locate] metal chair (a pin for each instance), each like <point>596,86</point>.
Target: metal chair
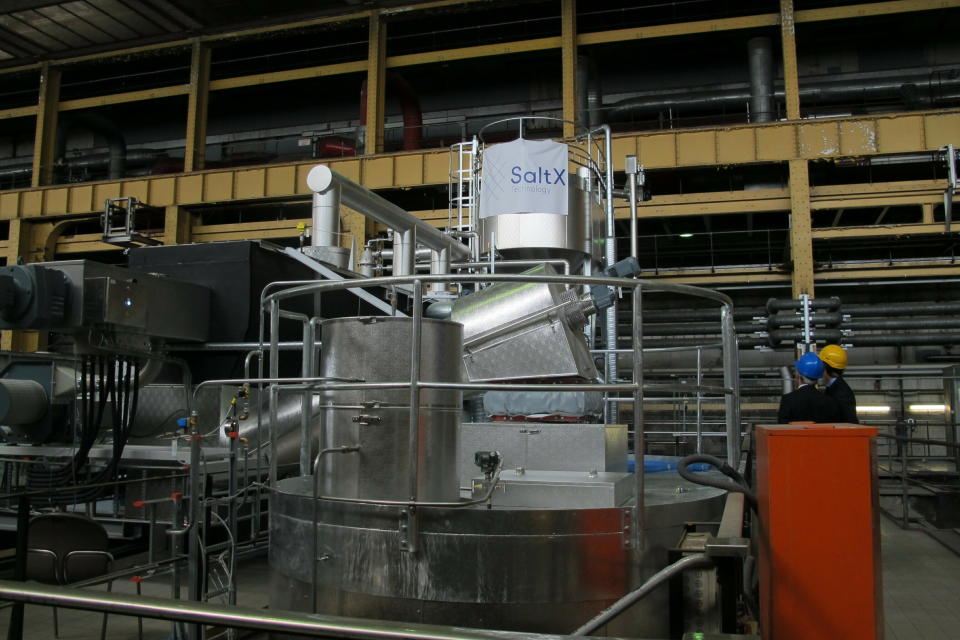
<point>67,548</point>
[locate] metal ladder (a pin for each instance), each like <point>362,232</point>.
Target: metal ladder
<point>462,186</point>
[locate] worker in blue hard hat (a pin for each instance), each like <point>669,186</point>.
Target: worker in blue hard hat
<point>806,403</point>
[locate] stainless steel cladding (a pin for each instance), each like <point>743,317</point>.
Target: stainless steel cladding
<point>378,349</point>
<point>507,335</point>
<point>557,446</point>
<point>544,235</point>
<point>534,203</point>
<point>542,570</point>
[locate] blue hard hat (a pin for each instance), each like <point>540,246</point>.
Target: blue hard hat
<point>809,365</point>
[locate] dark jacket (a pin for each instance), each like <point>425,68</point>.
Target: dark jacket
<point>842,394</point>
<point>807,404</point>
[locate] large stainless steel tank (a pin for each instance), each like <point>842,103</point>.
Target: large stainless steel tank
<point>543,235</point>
<point>559,222</point>
<point>539,570</point>
<point>377,349</point>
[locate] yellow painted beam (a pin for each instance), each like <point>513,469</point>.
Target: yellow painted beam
<point>177,225</point>
<point>568,63</point>
<point>879,231</point>
<point>195,153</point>
<point>18,112</point>
<point>887,272</point>
<point>788,39</point>
<point>873,9</point>
<point>616,35</point>
<point>801,244</point>
<point>744,276</point>
<point>304,73</point>
<point>820,139</point>
<point>773,142</point>
<point>129,96</point>
<point>241,34</point>
<point>376,85</point>
<point>698,204</point>
<point>45,136</point>
<point>479,51</point>
<point>678,29</point>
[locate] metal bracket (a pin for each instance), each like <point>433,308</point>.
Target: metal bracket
<point>951,158</point>
<point>365,419</point>
<point>409,529</point>
<point>119,223</point>
<point>627,526</point>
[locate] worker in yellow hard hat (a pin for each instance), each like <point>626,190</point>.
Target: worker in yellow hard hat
<point>835,359</point>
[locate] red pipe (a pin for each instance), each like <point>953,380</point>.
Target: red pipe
<point>399,88</point>
<point>335,148</point>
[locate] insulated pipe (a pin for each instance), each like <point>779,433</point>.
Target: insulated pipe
<point>631,171</point>
<point>918,323</point>
<point>106,128</point>
<point>610,246</point>
<point>836,91</point>
<point>786,379</point>
<point>439,265</point>
<point>781,304</point>
<point>760,58</point>
<point>583,79</point>
<point>398,87</point>
<point>326,218</point>
<point>589,102</point>
<point>594,95</point>
<point>422,254</point>
<point>695,561</point>
<point>903,309</point>
<point>361,199</point>
<point>788,320</point>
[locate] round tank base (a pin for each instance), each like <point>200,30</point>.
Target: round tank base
<point>534,570</point>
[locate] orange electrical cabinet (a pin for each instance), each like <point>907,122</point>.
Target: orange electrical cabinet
<point>819,532</point>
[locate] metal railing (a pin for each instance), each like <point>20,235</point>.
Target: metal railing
<point>272,313</point>
<point>232,617</point>
<point>903,474</point>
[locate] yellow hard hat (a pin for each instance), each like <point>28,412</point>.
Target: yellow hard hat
<point>834,356</point>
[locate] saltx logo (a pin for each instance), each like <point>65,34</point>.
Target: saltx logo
<point>542,175</point>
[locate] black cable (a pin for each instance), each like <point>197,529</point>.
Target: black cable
<point>738,484</point>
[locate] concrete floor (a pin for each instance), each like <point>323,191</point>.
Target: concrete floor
<point>921,585</point>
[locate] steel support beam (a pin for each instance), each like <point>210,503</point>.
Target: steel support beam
<point>535,44</point>
<point>45,136</point>
<point>177,225</point>
<point>568,57</point>
<point>618,35</point>
<point>194,156</point>
<point>788,37</point>
<point>376,85</point>
<point>776,142</point>
<point>801,241</point>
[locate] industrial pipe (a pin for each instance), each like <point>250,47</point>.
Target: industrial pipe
<point>786,379</point>
<point>696,561</point>
<point>326,217</point>
<point>107,129</point>
<point>787,304</point>
<point>810,91</point>
<point>398,87</point>
<point>359,198</point>
<point>760,57</point>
